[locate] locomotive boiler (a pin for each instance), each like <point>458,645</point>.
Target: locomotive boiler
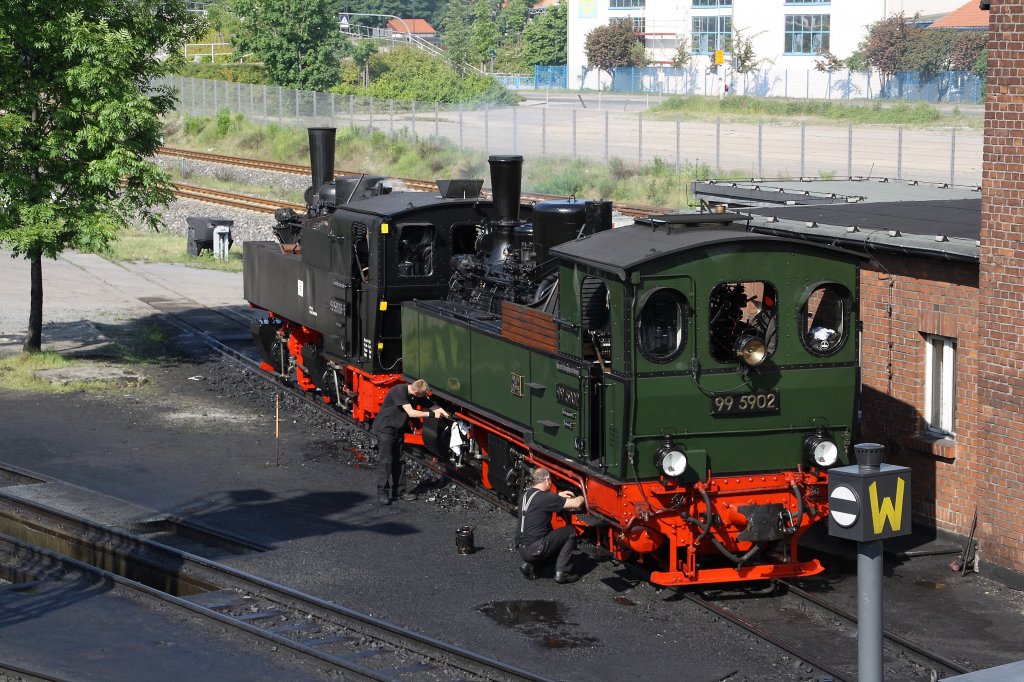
<point>692,378</point>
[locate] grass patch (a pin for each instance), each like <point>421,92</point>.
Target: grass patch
<point>144,246</point>
<point>17,373</point>
<point>752,109</point>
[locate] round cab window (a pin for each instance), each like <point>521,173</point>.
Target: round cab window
<point>662,326</point>
<point>825,320</point>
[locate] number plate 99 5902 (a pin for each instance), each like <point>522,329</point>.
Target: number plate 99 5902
<point>758,402</point>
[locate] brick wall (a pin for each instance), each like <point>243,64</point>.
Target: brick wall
<point>902,299</point>
<point>997,454</point>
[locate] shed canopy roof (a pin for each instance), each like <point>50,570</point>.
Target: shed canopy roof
<point>933,220</point>
<point>960,218</point>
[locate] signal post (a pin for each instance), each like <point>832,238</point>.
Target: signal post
<point>868,503</point>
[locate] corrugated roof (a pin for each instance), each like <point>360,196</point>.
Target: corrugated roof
<point>415,26</point>
<point>970,16</point>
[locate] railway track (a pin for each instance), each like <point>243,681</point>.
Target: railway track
<point>632,210</point>
<point>232,199</point>
<point>40,543</point>
<point>794,619</point>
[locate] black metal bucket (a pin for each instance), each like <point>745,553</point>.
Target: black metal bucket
<point>464,540</point>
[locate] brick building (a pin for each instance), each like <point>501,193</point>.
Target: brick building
<point>996,453</point>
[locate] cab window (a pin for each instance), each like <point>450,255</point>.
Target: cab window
<point>825,319</point>
<point>741,309</point>
<point>662,325</point>
<point>416,251</point>
<point>595,319</point>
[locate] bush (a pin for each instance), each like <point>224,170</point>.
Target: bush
<point>194,125</point>
<point>406,73</point>
<point>235,73</point>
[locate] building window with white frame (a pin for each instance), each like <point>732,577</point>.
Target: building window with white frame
<point>940,385</point>
<point>710,34</point>
<point>627,4</point>
<point>807,33</point>
<point>639,24</point>
<point>712,3</point>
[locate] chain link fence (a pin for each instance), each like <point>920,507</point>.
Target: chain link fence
<point>569,130</point>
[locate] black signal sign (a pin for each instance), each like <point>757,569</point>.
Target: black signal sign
<point>868,504</point>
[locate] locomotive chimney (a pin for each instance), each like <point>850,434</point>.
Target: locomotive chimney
<point>506,186</point>
<point>321,156</point>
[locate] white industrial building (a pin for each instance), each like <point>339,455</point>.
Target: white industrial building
<point>788,34</point>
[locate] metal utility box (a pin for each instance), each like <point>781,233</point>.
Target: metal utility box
<point>209,233</point>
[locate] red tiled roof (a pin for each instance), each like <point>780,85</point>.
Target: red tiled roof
<point>415,26</point>
<point>968,16</point>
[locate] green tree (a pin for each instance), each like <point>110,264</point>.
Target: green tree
<point>887,45</point>
<point>513,20</point>
<point>544,38</point>
<point>297,40</point>
<point>743,59</point>
<point>361,55</point>
<point>682,58</point>
<point>80,116</point>
<point>456,35</point>
<point>828,63</point>
<point>968,48</point>
<point>930,54</point>
<point>611,46</point>
<point>484,31</point>
<point>409,74</point>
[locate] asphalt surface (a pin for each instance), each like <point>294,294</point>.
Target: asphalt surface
<point>197,442</point>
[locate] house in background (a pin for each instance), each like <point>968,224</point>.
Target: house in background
<point>789,34</point>
<point>411,29</point>
<point>969,17</point>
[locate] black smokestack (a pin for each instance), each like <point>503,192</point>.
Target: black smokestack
<point>506,186</point>
<point>321,156</point>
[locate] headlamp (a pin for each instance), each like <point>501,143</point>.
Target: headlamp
<point>670,460</point>
<point>751,350</point>
<point>820,448</point>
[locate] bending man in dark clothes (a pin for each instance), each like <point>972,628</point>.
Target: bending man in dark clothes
<point>389,427</point>
<point>537,542</point>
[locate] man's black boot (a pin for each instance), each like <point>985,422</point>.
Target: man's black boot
<point>565,577</point>
<point>383,497</point>
<point>528,571</point>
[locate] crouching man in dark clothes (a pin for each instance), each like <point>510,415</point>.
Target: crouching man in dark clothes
<point>389,427</point>
<point>537,542</point>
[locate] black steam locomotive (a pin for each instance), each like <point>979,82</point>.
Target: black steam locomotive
<point>694,379</point>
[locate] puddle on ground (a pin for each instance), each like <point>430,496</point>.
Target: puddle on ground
<point>931,584</point>
<point>540,620</point>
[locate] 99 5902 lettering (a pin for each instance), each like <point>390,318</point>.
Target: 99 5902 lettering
<point>758,402</point>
